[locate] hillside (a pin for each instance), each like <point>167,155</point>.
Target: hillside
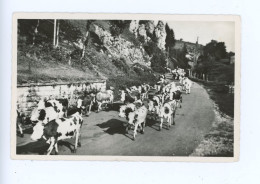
<point>80,50</point>
<point>89,49</point>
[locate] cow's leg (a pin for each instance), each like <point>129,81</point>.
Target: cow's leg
<point>90,106</point>
<point>135,130</point>
<point>143,126</point>
<point>169,122</point>
<point>76,142</point>
<point>173,116</point>
<point>127,127</point>
<point>160,128</point>
<point>56,148</point>
<point>79,140</point>
<point>20,129</point>
<point>99,106</point>
<point>52,143</point>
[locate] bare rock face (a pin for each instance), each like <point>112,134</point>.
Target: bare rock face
<point>133,27</point>
<point>119,47</point>
<point>160,34</point>
<point>150,27</point>
<point>142,31</point>
<point>104,35</point>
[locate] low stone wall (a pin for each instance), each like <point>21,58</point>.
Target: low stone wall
<point>28,95</point>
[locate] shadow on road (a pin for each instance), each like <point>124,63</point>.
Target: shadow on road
<point>38,147</point>
<point>114,107</point>
<point>114,126</point>
<point>155,124</point>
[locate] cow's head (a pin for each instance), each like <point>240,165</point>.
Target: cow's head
<point>151,105</point>
<point>47,115</point>
<point>37,131</point>
<point>132,118</point>
<point>35,115</point>
<point>122,111</point>
<point>78,118</point>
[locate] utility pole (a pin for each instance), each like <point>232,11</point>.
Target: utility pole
<point>54,33</point>
<point>57,33</point>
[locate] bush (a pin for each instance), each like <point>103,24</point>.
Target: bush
<point>120,64</point>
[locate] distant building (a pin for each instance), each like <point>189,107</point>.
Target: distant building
<point>232,59</point>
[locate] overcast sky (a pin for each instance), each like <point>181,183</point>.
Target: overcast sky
<point>206,31</point>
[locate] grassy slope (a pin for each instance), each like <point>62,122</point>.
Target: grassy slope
<point>219,141</point>
<point>46,71</point>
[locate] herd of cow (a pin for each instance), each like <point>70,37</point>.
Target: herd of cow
<point>54,121</point>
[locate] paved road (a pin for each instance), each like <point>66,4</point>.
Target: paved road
<point>104,133</point>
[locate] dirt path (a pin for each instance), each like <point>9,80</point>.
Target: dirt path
<point>104,133</point>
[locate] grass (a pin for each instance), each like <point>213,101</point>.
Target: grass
<point>219,142</point>
<point>218,92</point>
<point>43,71</point>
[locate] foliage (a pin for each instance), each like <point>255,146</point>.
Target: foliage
<point>216,50</point>
<point>170,37</point>
<point>69,32</point>
<point>118,26</point>
<point>120,63</point>
<point>158,61</point>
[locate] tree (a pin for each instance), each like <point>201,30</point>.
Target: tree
<point>158,61</point>
<point>216,50</point>
<point>118,26</point>
<point>169,40</point>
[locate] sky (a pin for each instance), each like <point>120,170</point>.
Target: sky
<point>206,31</point>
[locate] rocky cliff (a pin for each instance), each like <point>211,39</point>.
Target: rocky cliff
<point>120,46</point>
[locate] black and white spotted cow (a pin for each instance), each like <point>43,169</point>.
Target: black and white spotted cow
<point>59,129</point>
<point>167,112</point>
<point>19,122</point>
<point>136,118</point>
<point>44,115</point>
<point>59,108</point>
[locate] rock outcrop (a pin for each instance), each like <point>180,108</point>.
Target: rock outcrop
<point>119,47</point>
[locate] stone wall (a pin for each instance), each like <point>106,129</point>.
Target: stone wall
<point>29,95</point>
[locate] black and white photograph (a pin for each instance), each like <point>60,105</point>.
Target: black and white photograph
<point>125,87</point>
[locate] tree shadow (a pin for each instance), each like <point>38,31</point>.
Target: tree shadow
<point>114,126</point>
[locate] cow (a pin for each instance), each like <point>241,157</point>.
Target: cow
<point>19,122</point>
<point>133,88</point>
<point>65,105</point>
<point>187,85</point>
<point>153,108</point>
<point>44,115</point>
<point>87,103</point>
<point>60,110</point>
<point>144,91</point>
<point>130,97</point>
<point>125,109</point>
<point>137,119</point>
<point>104,98</point>
<point>59,129</point>
<point>57,106</point>
<point>167,112</point>
<point>177,96</point>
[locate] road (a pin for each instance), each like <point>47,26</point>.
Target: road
<point>103,133</point>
